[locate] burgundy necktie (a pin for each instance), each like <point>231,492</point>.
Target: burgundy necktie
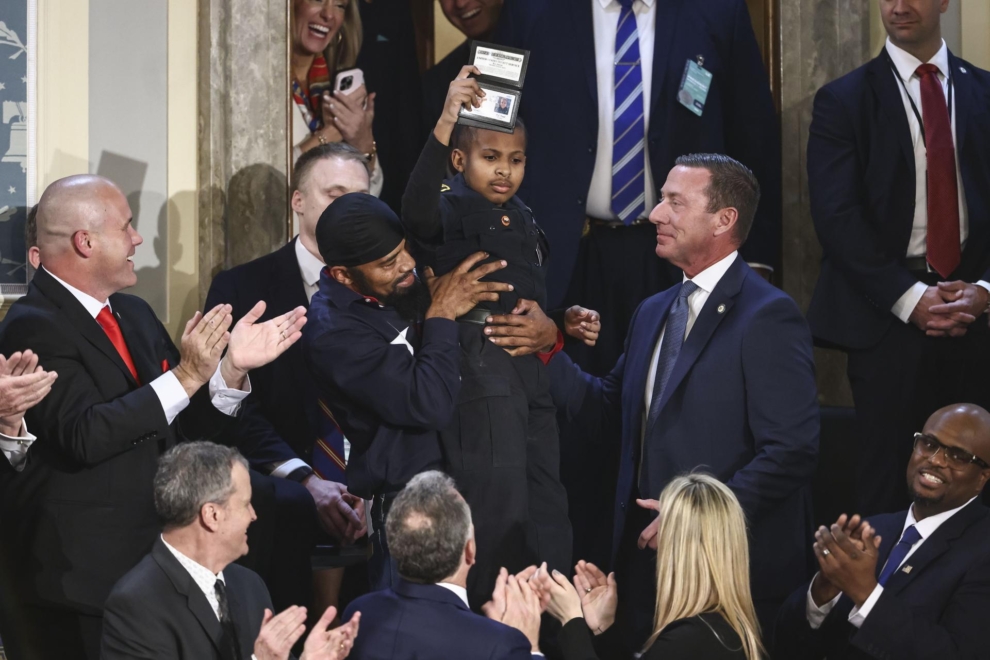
<point>943,191</point>
<point>110,326</point>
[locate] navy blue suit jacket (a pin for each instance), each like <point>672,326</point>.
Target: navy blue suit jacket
<point>936,610</point>
<point>861,179</point>
<point>423,621</point>
<point>741,404</point>
<point>390,386</point>
<point>275,426</point>
<point>739,117</point>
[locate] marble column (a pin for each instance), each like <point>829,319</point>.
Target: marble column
<point>820,40</point>
<point>243,108</point>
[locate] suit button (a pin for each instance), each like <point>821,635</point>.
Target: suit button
<point>591,150</point>
<point>622,505</point>
<point>580,201</point>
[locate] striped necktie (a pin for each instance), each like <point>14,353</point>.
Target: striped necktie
<point>628,137</point>
<point>328,450</point>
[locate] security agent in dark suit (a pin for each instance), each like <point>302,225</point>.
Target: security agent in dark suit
<point>905,235</point>
<point>383,352</point>
<point>601,260</point>
<point>186,599</point>
<point>426,614</point>
<point>278,433</point>
<point>912,585</point>
<point>718,372</point>
<point>80,513</point>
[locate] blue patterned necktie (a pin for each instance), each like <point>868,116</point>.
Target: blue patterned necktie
<point>673,339</point>
<point>628,137</point>
<point>328,450</point>
<point>897,555</point>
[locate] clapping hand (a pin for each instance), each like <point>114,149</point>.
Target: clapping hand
<point>279,632</point>
<point>523,609</point>
<point>599,596</point>
<point>23,384</point>
<point>203,341</point>
<point>326,644</point>
<point>848,563</point>
<point>564,603</point>
<point>255,344</point>
<point>649,535</point>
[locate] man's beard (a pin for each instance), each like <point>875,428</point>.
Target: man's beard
<point>923,501</point>
<point>410,302</point>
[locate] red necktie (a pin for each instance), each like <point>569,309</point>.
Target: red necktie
<point>943,191</point>
<point>110,326</point>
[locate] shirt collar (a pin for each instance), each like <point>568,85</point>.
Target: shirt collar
<point>309,266</point>
<point>460,591</point>
<point>606,3</point>
<point>928,526</point>
<point>92,305</point>
<point>906,63</point>
<point>709,277</point>
<point>201,575</point>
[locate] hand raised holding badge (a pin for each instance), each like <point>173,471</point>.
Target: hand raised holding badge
<point>464,92</point>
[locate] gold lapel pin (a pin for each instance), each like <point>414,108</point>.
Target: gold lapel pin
<point>906,569</point>
<point>505,220</point>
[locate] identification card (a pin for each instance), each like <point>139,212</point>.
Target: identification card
<point>503,71</point>
<point>695,84</point>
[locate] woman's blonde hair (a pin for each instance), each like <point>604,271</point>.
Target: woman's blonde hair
<point>342,53</point>
<point>703,559</point>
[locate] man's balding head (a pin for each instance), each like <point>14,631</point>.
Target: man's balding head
<point>945,477</point>
<point>85,234</point>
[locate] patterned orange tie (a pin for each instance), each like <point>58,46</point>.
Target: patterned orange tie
<point>110,326</point>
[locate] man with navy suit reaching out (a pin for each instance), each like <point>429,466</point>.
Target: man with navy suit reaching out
<point>717,374</point>
<point>907,585</point>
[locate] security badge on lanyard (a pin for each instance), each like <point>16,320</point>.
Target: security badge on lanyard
<point>695,83</point>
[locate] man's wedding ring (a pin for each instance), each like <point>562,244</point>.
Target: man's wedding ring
<point>825,552</point>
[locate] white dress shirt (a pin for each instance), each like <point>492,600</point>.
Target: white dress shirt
<point>460,591</point>
<point>201,575</point>
<point>706,281</point>
<point>170,393</point>
<point>310,267</point>
<point>605,16</point>
<point>906,65</point>
<point>15,448</point>
<point>858,615</point>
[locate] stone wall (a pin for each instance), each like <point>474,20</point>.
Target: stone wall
<point>819,41</point>
<point>243,110</point>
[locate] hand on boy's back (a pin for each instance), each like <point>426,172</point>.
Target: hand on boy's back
<point>463,92</point>
<point>526,330</point>
<point>459,291</point>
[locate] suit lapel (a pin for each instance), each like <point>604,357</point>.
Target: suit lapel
<point>934,546</point>
<point>140,344</point>
<point>287,286</point>
<point>885,86</point>
<point>80,319</point>
<point>721,298</point>
<point>237,601</point>
<point>962,98</point>
<point>195,598</point>
<point>663,41</point>
<point>641,352</point>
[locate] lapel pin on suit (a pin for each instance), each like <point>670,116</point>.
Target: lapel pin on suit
<point>962,69</point>
<point>906,569</point>
<point>721,308</point>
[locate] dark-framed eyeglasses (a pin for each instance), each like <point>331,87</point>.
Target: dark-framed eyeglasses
<point>928,445</point>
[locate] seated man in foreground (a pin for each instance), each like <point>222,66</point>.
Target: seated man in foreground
<point>186,599</point>
<point>426,615</point>
<point>907,585</point>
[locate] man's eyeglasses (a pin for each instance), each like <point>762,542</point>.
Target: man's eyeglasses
<point>928,446</point>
